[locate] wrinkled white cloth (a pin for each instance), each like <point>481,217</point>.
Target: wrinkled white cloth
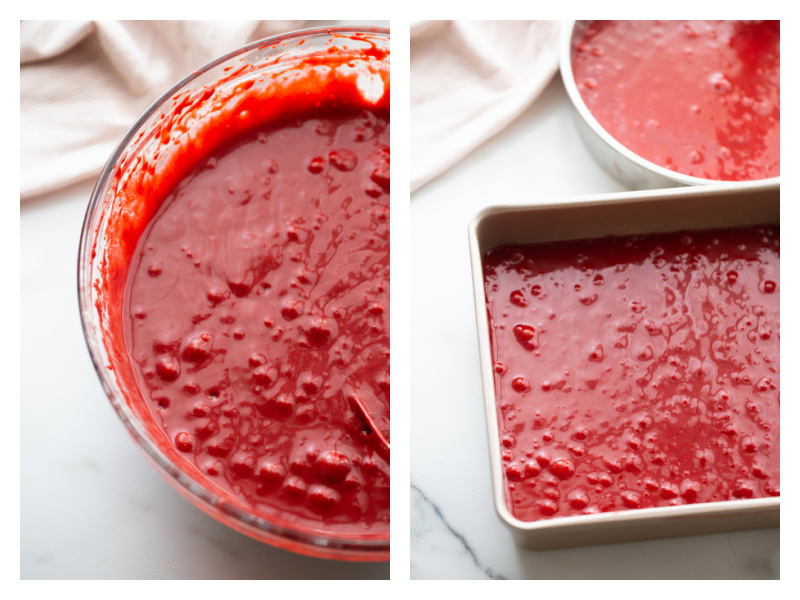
<point>83,84</point>
<point>470,80</point>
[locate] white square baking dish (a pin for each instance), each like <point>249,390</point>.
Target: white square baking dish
<point>671,210</point>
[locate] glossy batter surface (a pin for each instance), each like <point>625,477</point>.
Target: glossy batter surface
<point>698,97</point>
<point>258,305</point>
<point>637,371</point>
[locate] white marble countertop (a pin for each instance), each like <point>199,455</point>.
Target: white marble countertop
<point>455,533</point>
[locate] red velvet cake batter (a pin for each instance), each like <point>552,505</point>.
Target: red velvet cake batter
<point>637,371</point>
<point>698,97</point>
<point>255,253</point>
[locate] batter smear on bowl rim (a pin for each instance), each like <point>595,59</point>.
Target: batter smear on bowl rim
<point>636,371</point>
<point>256,303</point>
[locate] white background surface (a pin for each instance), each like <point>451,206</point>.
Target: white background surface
<point>455,533</point>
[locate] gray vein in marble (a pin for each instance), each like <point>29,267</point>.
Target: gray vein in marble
<point>756,560</point>
<point>461,539</point>
<point>735,556</point>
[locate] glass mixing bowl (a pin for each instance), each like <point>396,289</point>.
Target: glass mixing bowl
<point>110,233</point>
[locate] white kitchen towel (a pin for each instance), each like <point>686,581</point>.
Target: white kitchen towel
<point>84,83</point>
<point>470,80</point>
